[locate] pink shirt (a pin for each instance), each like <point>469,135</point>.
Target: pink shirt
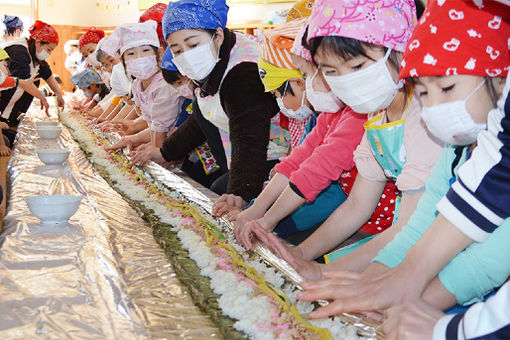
<point>160,103</point>
<point>326,152</point>
<point>422,152</point>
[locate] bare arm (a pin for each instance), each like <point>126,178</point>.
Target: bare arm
<point>123,113</point>
<point>157,138</point>
<point>360,259</point>
<point>346,219</point>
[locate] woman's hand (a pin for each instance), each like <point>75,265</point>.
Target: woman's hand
<point>414,320</point>
<point>60,100</point>
<point>145,154</point>
<point>227,203</point>
<point>45,106</point>
<point>4,151</point>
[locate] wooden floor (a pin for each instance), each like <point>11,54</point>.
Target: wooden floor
<point>3,179</point>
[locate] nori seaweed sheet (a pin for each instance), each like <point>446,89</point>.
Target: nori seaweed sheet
<point>185,268</point>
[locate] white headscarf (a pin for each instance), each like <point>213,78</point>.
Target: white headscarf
<point>121,85</point>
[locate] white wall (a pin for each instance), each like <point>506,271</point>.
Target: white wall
<point>105,13</point>
<point>255,12</point>
<point>88,12</point>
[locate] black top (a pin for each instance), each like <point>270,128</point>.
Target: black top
<point>249,109</point>
<point>19,66</point>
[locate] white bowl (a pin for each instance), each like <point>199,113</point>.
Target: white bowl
<point>46,123</point>
<point>49,132</point>
<point>53,156</point>
<point>53,209</point>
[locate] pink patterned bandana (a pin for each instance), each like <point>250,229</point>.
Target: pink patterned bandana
<point>386,23</point>
<point>298,48</point>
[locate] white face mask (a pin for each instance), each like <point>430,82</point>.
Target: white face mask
<point>185,91</point>
<point>321,101</point>
<point>300,114</point>
<point>451,122</point>
<point>43,55</point>
<point>368,90</point>
<point>143,68</point>
<point>198,62</point>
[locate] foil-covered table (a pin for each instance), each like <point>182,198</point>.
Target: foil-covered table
<point>101,276</point>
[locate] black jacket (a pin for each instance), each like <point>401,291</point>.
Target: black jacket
<point>20,60</point>
<point>249,109</point>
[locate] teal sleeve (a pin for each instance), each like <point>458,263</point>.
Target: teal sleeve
<point>436,187</point>
<point>480,268</point>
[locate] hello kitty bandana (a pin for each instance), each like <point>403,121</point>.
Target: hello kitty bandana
<point>458,37</point>
<point>131,35</point>
<point>386,23</point>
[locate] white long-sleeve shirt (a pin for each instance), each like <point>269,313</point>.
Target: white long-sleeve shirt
<point>484,320</point>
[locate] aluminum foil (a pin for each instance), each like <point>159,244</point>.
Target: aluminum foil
<point>101,276</point>
<point>203,199</point>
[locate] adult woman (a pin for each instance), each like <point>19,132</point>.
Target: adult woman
<point>230,96</point>
<point>28,60</point>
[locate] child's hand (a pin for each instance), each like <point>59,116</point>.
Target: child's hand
<point>4,151</point>
<point>4,126</point>
<point>226,203</point>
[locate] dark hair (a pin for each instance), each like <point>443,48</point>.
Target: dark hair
<point>458,154</point>
<point>489,84</point>
<point>100,54</point>
<point>31,50</point>
<point>304,39</point>
<point>285,87</point>
<point>170,76</point>
<point>420,8</point>
<point>11,30</point>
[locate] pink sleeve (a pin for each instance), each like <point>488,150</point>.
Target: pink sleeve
<point>333,156</point>
<point>165,109</point>
<point>298,155</point>
<point>367,165</point>
<point>422,151</point>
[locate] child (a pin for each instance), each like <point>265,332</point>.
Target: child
<point>324,155</point>
<point>89,82</point>
<point>360,66</point>
<point>201,165</point>
<point>230,96</point>
<point>160,105</point>
<point>458,94</point>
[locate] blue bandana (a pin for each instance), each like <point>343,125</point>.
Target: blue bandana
<point>85,78</point>
<point>13,22</point>
<point>193,14</point>
<point>167,62</point>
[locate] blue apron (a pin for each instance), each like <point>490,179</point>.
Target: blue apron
<point>387,144</point>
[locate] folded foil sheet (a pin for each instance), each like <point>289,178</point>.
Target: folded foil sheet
<point>201,198</point>
<point>101,276</point>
